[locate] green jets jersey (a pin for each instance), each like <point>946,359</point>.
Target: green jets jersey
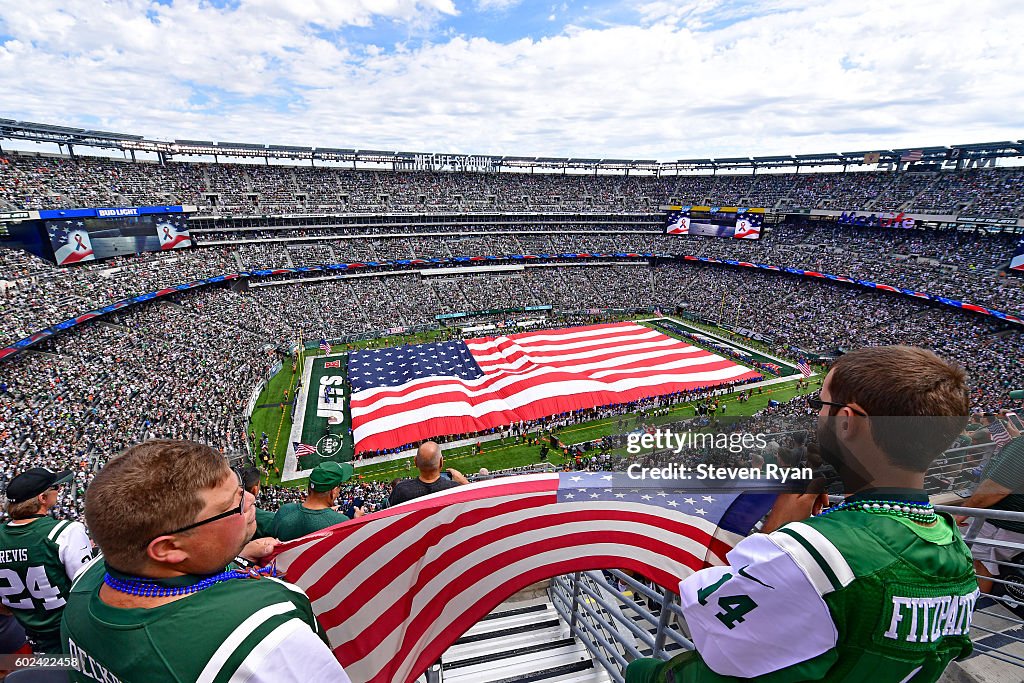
<point>844,598</point>
<point>238,630</point>
<point>292,521</point>
<point>37,561</point>
<point>264,523</point>
<point>1007,469</point>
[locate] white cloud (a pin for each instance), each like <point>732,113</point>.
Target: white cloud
<point>692,79</point>
<point>496,5</point>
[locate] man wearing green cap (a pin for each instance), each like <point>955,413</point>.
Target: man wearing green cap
<point>318,511</point>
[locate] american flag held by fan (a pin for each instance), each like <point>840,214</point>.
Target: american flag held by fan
<point>396,588</point>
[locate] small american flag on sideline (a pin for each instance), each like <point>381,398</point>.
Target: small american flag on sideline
<point>804,367</point>
<point>304,449</point>
<point>394,589</point>
<point>324,346</point>
<point>998,432</point>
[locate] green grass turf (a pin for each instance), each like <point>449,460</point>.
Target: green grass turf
<point>272,420</point>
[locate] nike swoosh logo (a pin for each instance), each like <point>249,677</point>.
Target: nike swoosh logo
<point>743,572</point>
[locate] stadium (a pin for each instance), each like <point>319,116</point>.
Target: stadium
<point>554,325</point>
<point>281,295</point>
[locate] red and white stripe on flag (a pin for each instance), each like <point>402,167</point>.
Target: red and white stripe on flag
<point>535,374</point>
<point>999,434</point>
<point>396,588</point>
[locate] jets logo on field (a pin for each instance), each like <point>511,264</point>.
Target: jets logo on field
<point>328,446</point>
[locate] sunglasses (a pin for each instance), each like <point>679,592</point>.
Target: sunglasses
<point>815,402</point>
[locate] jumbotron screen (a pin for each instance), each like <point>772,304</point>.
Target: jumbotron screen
<point>78,240</point>
<point>715,221</point>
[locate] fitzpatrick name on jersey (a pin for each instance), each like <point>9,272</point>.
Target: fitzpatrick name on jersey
<point>926,620</point>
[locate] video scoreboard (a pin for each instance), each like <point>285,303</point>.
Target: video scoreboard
<point>82,235</point>
<point>715,221</point>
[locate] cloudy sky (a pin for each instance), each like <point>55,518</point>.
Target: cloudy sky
<point>641,79</point>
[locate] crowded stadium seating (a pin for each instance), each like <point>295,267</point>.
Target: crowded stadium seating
<point>84,394</point>
<point>48,182</point>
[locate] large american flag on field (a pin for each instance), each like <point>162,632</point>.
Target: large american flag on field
<point>396,588</point>
<point>405,394</point>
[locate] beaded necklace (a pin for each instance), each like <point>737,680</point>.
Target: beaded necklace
<point>159,588</point>
<point>923,513</point>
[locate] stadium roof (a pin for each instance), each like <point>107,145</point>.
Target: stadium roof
<point>66,135</point>
<point>289,148</point>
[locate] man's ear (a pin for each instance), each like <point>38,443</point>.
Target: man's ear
<point>166,550</point>
<point>850,426</point>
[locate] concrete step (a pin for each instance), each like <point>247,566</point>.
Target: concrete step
<point>521,641</point>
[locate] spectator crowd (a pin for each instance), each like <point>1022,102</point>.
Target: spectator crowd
<point>36,181</point>
<point>184,367</point>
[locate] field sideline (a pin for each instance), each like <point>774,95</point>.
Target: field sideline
<point>269,417</point>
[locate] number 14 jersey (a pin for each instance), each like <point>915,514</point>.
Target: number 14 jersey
<point>848,597</point>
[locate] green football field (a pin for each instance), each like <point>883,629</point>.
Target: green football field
<point>326,420</point>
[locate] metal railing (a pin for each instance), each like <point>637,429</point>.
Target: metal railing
<point>619,618</point>
<point>958,468</point>
<point>1004,616</point>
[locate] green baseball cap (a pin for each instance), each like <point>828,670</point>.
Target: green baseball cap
<point>327,475</point>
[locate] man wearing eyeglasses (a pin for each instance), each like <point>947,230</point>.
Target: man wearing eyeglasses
<point>39,556</point>
<point>879,588</point>
<point>162,604</point>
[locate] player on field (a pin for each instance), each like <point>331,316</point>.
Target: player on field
<point>39,556</point>
<point>161,603</point>
<point>879,588</point>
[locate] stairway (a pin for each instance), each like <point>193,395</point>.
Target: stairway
<point>521,641</point>
<point>998,631</point>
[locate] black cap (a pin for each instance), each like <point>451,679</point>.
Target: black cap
<point>31,483</point>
